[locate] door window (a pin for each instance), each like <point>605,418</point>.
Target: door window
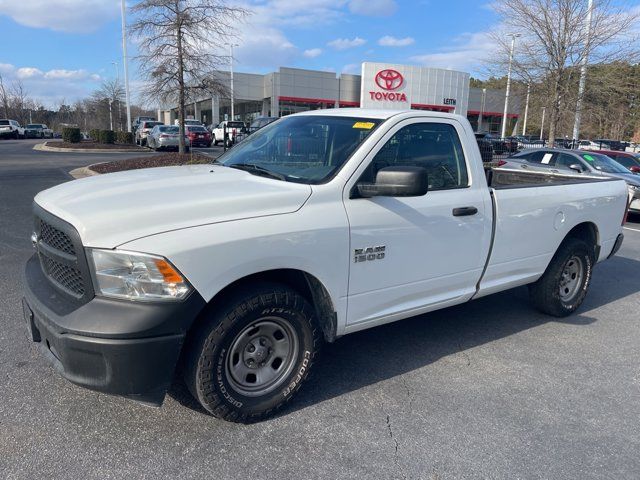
<point>564,161</point>
<point>433,146</point>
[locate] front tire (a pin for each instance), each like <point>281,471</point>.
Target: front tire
<point>563,286</point>
<point>250,356</point>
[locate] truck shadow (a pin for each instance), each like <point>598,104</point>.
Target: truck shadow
<point>381,353</point>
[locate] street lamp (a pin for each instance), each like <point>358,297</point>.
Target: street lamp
<point>506,96</point>
<point>583,74</point>
<point>526,110</point>
<point>231,45</point>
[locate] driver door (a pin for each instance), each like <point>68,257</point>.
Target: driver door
<point>413,254</point>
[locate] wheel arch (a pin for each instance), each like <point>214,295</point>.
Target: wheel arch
<point>588,232</point>
<point>304,283</point>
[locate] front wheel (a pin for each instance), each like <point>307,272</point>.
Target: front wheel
<point>249,357</point>
<point>563,286</point>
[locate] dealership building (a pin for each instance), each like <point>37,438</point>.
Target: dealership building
<point>380,86</point>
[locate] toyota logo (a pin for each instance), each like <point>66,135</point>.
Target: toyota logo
<point>389,79</point>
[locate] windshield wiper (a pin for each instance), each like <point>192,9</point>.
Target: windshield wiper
<point>258,170</point>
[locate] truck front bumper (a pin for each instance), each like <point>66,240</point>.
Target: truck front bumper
<point>118,347</point>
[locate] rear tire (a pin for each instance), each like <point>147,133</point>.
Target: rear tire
<point>563,286</point>
<point>249,357</point>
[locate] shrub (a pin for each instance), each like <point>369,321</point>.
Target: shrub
<point>71,135</point>
<point>124,138</point>
<point>94,134</point>
<point>107,136</point>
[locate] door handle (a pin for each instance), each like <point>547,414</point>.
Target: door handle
<point>464,211</point>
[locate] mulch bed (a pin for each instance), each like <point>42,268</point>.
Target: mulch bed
<point>92,145</point>
<point>161,160</point>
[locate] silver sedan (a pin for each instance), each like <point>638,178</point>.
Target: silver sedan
<point>165,137</point>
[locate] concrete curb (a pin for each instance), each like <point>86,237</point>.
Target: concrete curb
<point>46,148</point>
<point>83,172</point>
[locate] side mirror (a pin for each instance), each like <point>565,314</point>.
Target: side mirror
<point>635,169</point>
<point>576,167</point>
<point>397,182</point>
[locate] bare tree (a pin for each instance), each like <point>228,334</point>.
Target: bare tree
<point>554,41</point>
<point>176,40</point>
<point>4,98</point>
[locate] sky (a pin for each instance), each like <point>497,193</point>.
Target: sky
<point>61,50</point>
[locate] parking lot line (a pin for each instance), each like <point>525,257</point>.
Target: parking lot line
<point>634,229</point>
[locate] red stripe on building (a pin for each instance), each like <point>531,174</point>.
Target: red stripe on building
<point>492,114</point>
<point>306,100</point>
<point>437,108</point>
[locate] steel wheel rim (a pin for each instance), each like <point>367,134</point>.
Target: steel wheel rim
<point>571,278</point>
<point>261,356</point>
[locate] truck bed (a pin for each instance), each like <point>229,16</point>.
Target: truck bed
<point>503,178</point>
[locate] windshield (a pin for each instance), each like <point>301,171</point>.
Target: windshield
<point>196,128</point>
<point>168,129</point>
<point>603,163</point>
<point>34,125</point>
<point>304,149</point>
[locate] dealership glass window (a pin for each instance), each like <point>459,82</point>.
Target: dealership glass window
<point>287,107</point>
<point>433,146</point>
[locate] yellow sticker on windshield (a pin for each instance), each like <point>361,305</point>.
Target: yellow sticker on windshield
<point>364,125</point>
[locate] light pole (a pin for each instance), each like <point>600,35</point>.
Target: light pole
<point>583,74</point>
<point>544,110</point>
<point>124,60</point>
<point>231,45</point>
<point>110,115</point>
<point>482,103</point>
<point>526,110</point>
<point>506,96</point>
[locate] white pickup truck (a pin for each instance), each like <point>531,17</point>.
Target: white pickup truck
<point>319,225</point>
<point>227,132</point>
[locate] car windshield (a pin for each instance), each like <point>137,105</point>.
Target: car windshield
<point>34,125</point>
<point>235,125</point>
<point>603,163</point>
<point>304,149</point>
<point>196,128</point>
<point>168,129</point>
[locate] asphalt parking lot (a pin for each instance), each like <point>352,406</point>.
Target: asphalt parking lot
<point>491,389</point>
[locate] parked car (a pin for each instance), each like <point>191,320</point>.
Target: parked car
<point>485,147</point>
<point>581,162</point>
<point>198,135</point>
<point>138,120</point>
<point>326,223</point>
<point>498,144</point>
<point>606,144</point>
<point>227,132</point>
<point>189,121</point>
<point>166,137</point>
<point>10,129</point>
<point>630,161</point>
<point>588,145</point>
<point>37,130</point>
<point>142,132</point>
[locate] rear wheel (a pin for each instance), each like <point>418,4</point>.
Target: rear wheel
<point>563,287</point>
<point>251,356</point>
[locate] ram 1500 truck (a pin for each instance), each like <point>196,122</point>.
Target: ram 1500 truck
<point>319,225</point>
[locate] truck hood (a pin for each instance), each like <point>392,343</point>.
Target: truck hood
<point>109,210</point>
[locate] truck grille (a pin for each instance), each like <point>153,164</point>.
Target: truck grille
<point>62,256</point>
<point>56,239</point>
<point>68,277</point>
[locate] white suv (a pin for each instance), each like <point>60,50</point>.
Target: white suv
<point>10,129</point>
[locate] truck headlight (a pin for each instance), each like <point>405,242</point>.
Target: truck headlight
<point>135,276</point>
